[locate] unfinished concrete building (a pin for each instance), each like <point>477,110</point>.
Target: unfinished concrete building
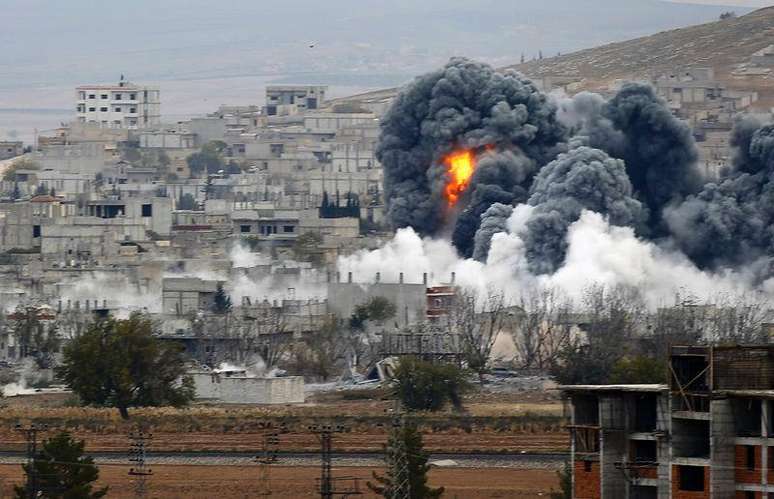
<point>705,434</point>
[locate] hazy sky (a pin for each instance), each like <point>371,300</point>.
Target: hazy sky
<point>741,3</point>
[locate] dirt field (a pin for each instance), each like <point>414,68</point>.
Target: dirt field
<point>493,423</point>
<point>227,482</point>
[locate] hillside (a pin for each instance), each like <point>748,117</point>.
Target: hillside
<point>721,45</point>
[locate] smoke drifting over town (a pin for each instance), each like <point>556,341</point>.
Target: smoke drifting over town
<point>567,191</point>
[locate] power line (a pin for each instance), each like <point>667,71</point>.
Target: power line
<point>137,455</point>
<point>31,436</point>
<point>328,486</point>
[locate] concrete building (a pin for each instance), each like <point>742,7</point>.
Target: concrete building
<point>326,122</point>
<point>410,299</point>
<point>184,295</point>
<point>238,387</point>
<point>10,149</point>
<point>167,138</point>
<point>708,433</point>
<point>123,105</point>
<point>303,97</point>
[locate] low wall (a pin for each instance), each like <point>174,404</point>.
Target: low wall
<point>248,390</point>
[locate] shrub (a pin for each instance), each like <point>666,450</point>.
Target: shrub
<point>425,386</point>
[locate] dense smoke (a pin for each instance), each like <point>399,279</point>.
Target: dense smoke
<point>500,177</point>
<point>571,189</point>
<point>581,179</point>
<point>463,105</point>
<point>729,223</point>
<point>637,127</point>
<point>493,221</point>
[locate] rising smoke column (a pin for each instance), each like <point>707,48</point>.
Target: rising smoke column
<point>581,179</point>
<point>493,221</point>
<point>464,105</point>
<point>658,149</point>
<point>730,222</point>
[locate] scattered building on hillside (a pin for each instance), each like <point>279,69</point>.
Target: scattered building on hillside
<point>764,57</point>
<point>11,149</point>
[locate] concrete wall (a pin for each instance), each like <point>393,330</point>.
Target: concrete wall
<point>16,222</point>
<point>244,390</point>
<point>723,451</point>
<point>207,129</point>
<point>410,299</point>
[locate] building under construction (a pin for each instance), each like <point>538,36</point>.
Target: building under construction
<point>709,433</point>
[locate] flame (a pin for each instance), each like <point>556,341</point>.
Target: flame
<point>460,166</point>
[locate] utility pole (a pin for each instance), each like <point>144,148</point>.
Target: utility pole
<point>326,483</point>
<point>31,437</point>
<point>399,465</point>
<point>268,455</point>
<point>137,455</point>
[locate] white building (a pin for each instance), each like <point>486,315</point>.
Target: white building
<point>124,105</point>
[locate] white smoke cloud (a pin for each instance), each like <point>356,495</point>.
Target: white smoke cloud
<point>116,290</point>
<point>598,253</point>
<point>241,257</point>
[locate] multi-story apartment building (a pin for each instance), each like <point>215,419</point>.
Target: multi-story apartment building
<point>289,99</point>
<point>124,105</point>
<point>708,433</point>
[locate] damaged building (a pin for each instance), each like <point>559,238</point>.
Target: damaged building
<point>705,434</point>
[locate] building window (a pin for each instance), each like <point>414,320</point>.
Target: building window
<point>92,96</point>
<point>132,96</point>
<point>587,466</point>
<point>117,123</point>
<point>36,231</point>
<point>288,228</point>
<point>750,449</point>
<point>117,109</point>
<point>103,109</point>
<point>691,478</point>
<point>117,97</point>
<point>132,109</point>
<point>147,210</point>
<point>92,109</point>
<point>103,96</point>
<point>244,228</point>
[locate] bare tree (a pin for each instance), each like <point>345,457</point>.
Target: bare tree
<point>737,318</point>
<point>478,320</point>
<point>261,331</point>
<point>611,317</point>
<point>544,327</point>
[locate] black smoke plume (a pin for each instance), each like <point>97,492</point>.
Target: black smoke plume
<point>730,222</point>
<point>493,221</point>
<point>463,105</point>
<point>500,177</point>
<point>637,126</point>
<point>581,179</point>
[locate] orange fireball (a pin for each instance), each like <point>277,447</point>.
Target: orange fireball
<point>460,166</point>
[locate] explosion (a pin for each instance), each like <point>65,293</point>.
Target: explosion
<point>460,166</point>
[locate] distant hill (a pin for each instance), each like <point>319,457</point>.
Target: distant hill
<point>721,45</point>
<point>50,42</point>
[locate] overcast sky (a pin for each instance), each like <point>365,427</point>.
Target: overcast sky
<point>742,3</point>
